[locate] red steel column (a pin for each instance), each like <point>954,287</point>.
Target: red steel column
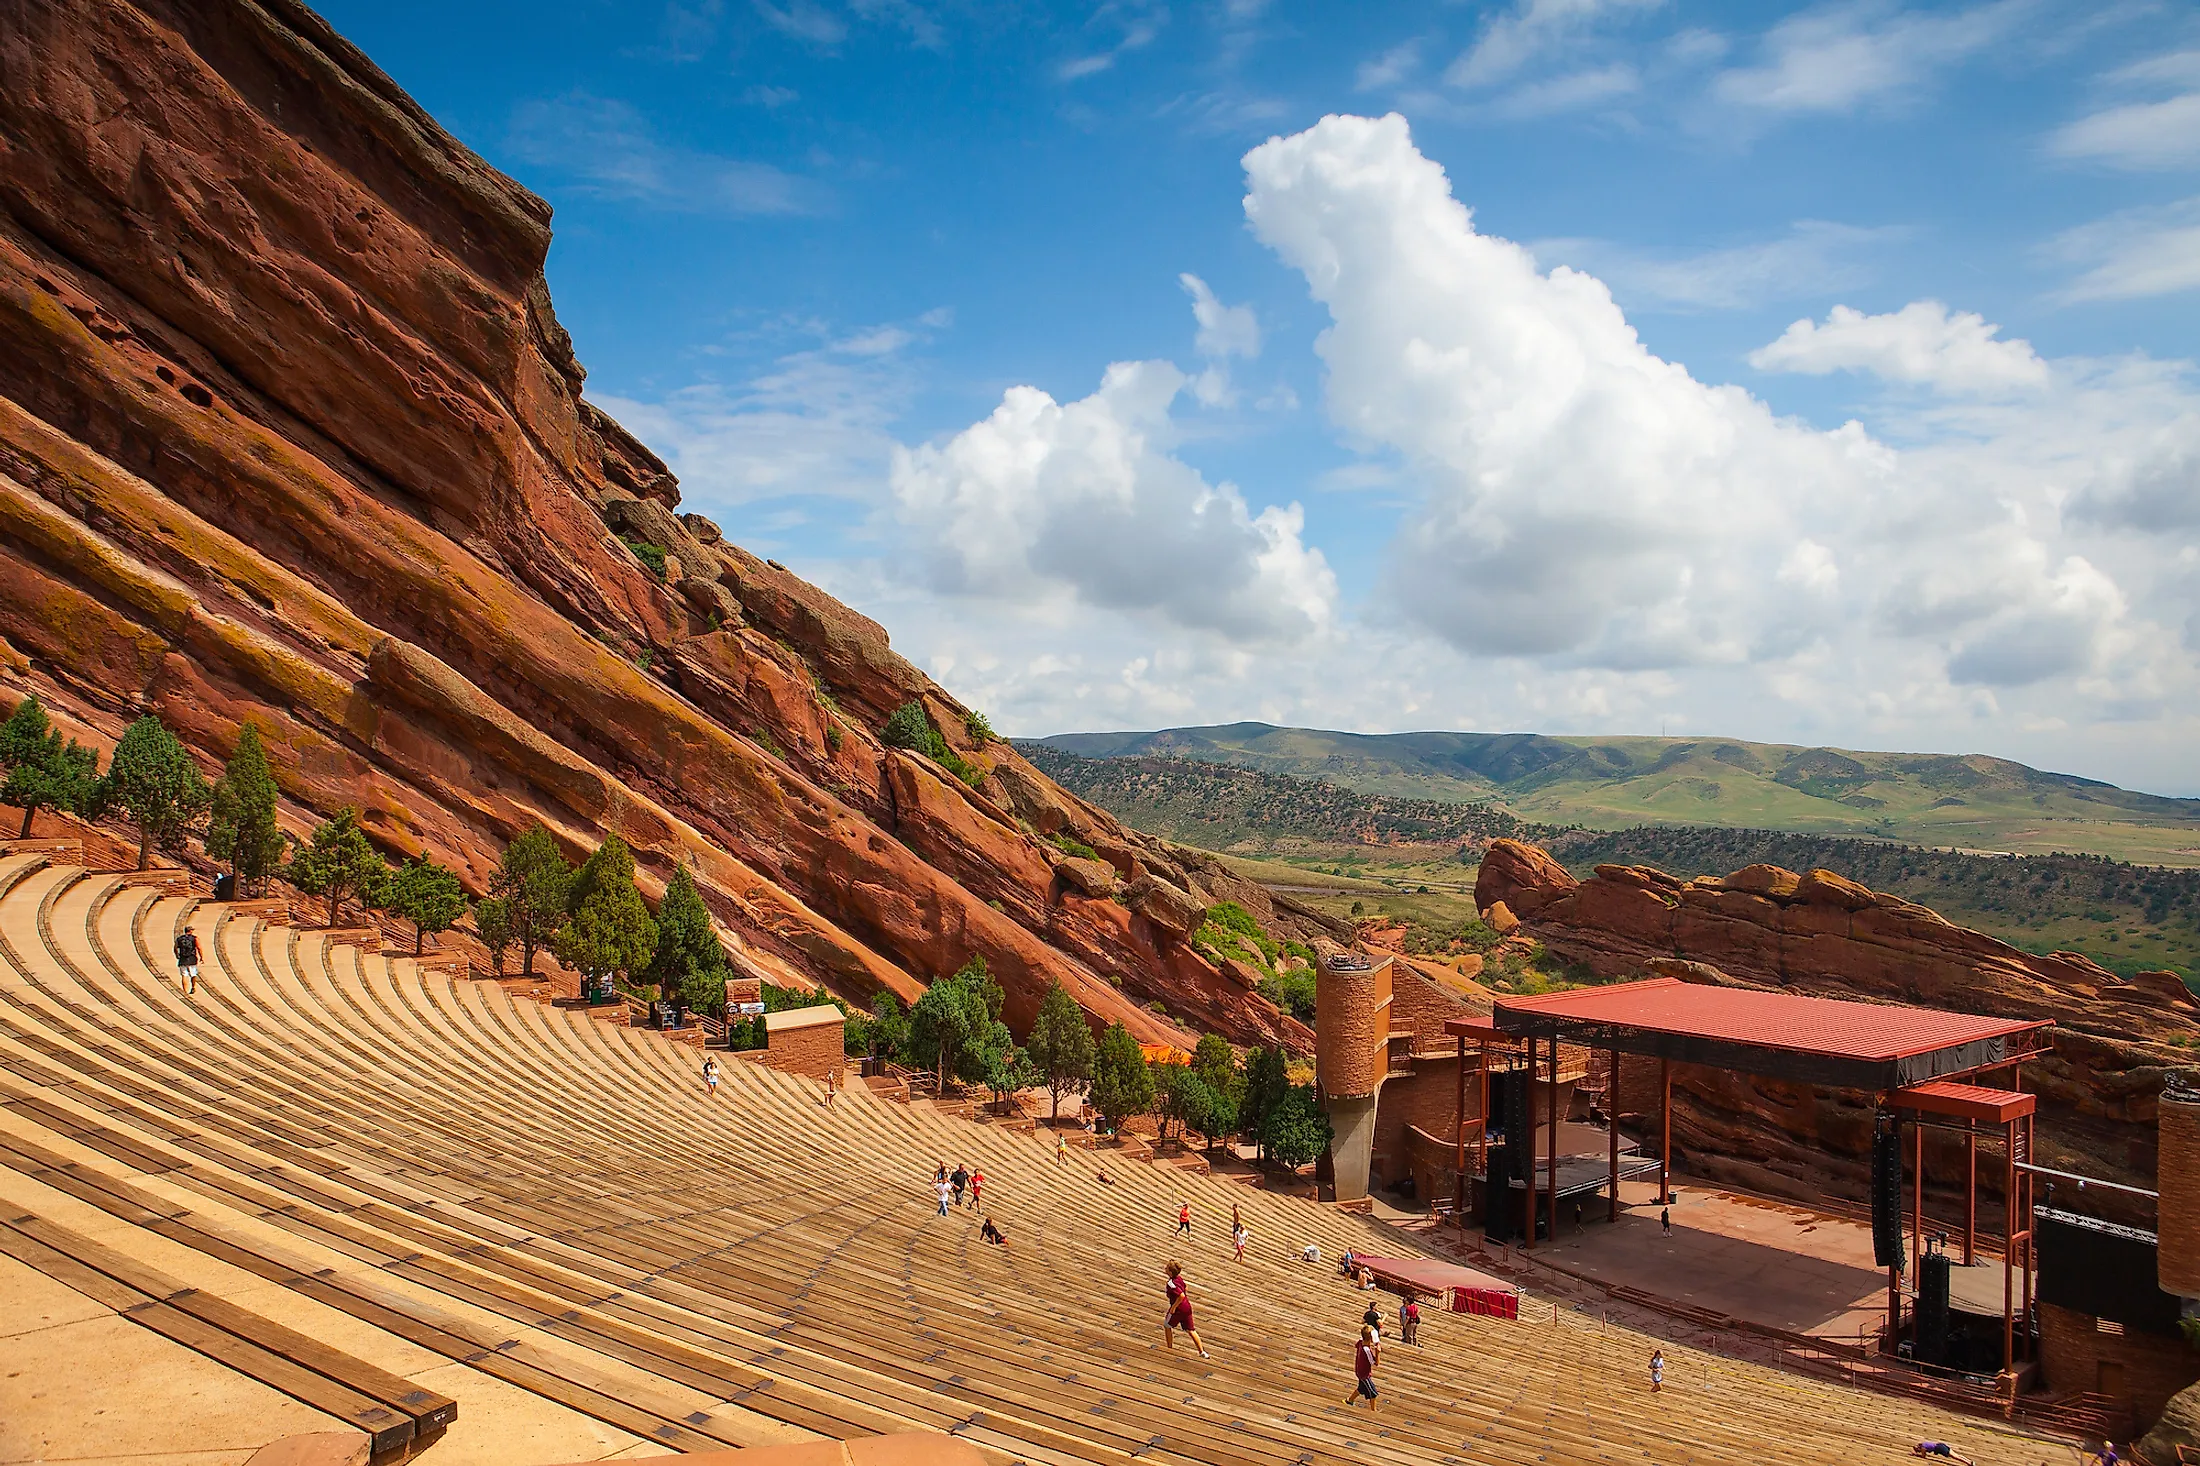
<point>2009,1247</point>
<point>1527,1124</point>
<point>1665,1126</point>
<point>1611,1120</point>
<point>1459,1136</point>
<point>1970,1192</point>
<point>1554,1140</point>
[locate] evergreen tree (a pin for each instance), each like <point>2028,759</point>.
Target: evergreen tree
<point>44,772</point>
<point>1297,1130</point>
<point>427,895</point>
<point>241,828</point>
<point>1215,1063</point>
<point>339,863</point>
<point>885,1032</point>
<point>493,924</point>
<point>1009,1069</point>
<point>1122,1085</point>
<point>1061,1045</point>
<point>153,781</point>
<point>956,1026</point>
<point>532,882</point>
<point>688,964</point>
<point>1186,1097</point>
<point>1266,1083</point>
<point>607,930</point>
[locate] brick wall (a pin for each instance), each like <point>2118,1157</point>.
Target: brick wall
<point>2155,1367</point>
<point>1419,1004</point>
<point>1431,1161</point>
<point>1427,1098</point>
<point>2179,1211</point>
<point>815,1051</point>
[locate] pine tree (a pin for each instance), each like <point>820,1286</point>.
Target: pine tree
<point>1266,1083</point>
<point>153,781</point>
<point>1297,1130</point>
<point>44,772</point>
<point>688,964</point>
<point>955,1027</point>
<point>532,882</point>
<point>427,895</point>
<point>607,930</point>
<point>1061,1045</point>
<point>493,924</point>
<point>241,829</point>
<point>1122,1085</point>
<point>339,863</point>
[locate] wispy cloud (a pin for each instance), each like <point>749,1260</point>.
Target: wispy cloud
<point>1137,31</point>
<point>805,20</point>
<point>1531,29</point>
<point>1813,256</point>
<point>1571,92</point>
<point>609,150</point>
<point>2163,133</point>
<point>2134,254</point>
<point>1381,73</point>
<point>1841,57</point>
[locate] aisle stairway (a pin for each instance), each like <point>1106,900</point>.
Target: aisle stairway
<point>403,1166</point>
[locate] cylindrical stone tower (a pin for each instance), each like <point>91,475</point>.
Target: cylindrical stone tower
<point>1351,1056</point>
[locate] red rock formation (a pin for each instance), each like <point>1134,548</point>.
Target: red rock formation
<point>290,434</point>
<point>1820,933</point>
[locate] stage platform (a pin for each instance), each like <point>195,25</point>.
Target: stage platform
<point>1768,1262</point>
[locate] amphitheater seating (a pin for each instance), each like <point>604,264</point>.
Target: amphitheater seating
<point>429,1165</point>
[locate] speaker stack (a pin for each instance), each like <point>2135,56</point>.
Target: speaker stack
<point>1932,1308</point>
<point>1887,1197</point>
<point>1518,1117</point>
<point>1497,1218</point>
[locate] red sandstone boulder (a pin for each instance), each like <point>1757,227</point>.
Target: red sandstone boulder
<point>1524,877</point>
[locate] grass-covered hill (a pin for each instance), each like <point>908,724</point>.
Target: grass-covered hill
<point>1223,807</point>
<point>1412,860</point>
<point>1970,801</point>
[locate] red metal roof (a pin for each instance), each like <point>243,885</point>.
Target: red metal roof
<point>1784,1021</point>
<point>1965,1101</point>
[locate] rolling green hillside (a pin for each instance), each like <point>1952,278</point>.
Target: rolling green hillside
<point>1971,801</point>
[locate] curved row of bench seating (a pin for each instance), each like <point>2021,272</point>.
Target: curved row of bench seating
<point>557,1203</point>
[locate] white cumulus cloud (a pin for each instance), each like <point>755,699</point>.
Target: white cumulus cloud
<point>1922,343</point>
<point>1045,501</point>
<point>1584,502</point>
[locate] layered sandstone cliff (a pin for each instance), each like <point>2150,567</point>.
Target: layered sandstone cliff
<point>290,435</point>
<point>1817,932</point>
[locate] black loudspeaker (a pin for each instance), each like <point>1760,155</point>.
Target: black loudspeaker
<point>1498,1222</point>
<point>1887,1198</point>
<point>1518,1117</point>
<point>1932,1308</point>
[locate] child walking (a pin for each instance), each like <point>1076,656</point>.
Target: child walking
<point>1180,1311</point>
<point>1365,1356</point>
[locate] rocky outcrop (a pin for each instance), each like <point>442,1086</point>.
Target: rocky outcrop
<point>1819,932</point>
<point>290,436</point>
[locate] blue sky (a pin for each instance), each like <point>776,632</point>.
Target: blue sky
<point>861,270</point>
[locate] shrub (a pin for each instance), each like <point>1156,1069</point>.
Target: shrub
<point>1292,991</point>
<point>339,863</point>
<point>651,556</point>
<point>1072,846</point>
<point>977,726</point>
<point>909,728</point>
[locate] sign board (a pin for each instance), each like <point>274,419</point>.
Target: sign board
<point>742,991</point>
<point>665,1014</point>
<point>748,1009</point>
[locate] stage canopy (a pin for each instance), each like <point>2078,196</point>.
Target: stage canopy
<point>1866,1046</point>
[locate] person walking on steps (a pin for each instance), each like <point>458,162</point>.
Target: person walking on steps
<point>959,1181</point>
<point>710,1076</point>
<point>1061,1151</point>
<point>1665,1221</point>
<point>828,1089</point>
<point>1409,1322</point>
<point>187,959</point>
<point>977,1187</point>
<point>1238,1238</point>
<point>1372,1320</point>
<point>1180,1312</point>
<point>1184,1219</point>
<point>945,1191</point>
<point>1365,1356</point>
<point>1657,1371</point>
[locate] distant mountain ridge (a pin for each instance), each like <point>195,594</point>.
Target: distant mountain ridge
<point>1969,801</point>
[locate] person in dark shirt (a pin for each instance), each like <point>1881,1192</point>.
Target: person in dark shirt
<point>187,959</point>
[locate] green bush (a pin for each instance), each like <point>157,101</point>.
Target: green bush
<point>1071,846</point>
<point>651,556</point>
<point>1291,991</point>
<point>909,728</point>
<point>978,727</point>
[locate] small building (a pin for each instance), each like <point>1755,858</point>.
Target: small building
<point>809,1041</point>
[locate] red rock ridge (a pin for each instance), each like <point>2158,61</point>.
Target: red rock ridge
<point>290,434</point>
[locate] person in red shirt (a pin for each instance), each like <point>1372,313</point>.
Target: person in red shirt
<point>1184,1219</point>
<point>1365,1356</point>
<point>1180,1312</point>
<point>977,1186</point>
